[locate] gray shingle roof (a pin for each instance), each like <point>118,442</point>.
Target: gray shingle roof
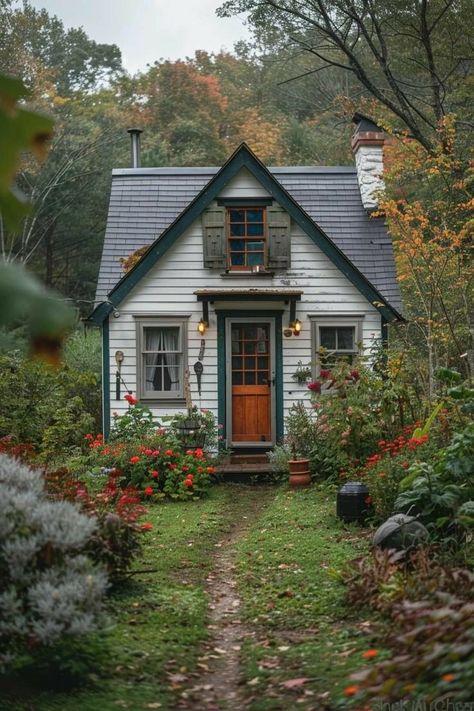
<point>145,201</point>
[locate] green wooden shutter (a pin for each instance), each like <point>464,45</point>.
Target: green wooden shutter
<point>279,248</point>
<point>213,235</point>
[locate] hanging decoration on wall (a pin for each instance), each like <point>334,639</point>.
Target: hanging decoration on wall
<point>202,349</point>
<point>198,368</point>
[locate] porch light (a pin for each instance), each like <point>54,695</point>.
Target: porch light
<point>296,326</point>
<point>202,327</point>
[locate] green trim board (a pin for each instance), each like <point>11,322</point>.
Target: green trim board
<point>105,379</point>
<point>221,366</point>
<point>243,157</point>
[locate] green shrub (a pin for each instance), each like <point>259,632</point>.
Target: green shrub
<point>50,589</point>
<point>33,393</point>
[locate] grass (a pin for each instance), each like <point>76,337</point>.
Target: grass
<point>292,608</point>
<point>292,596</point>
<point>159,619</point>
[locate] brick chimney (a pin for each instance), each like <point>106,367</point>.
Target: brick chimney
<point>367,146</point>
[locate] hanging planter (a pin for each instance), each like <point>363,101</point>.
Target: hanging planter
<point>190,431</point>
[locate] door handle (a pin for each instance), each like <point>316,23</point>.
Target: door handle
<point>269,381</point>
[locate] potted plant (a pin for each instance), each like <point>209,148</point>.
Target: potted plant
<point>298,439</point>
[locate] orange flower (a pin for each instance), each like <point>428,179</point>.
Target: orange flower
<point>351,690</point>
<point>370,653</point>
<point>147,526</point>
<point>448,677</point>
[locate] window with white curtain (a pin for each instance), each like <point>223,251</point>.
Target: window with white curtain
<point>160,357</point>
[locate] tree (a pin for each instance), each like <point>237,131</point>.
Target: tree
<point>429,209</point>
<point>412,57</point>
<point>32,39</point>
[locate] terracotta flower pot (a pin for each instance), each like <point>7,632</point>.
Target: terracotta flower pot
<point>299,473</point>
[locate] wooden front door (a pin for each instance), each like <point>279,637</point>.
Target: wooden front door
<point>251,381</point>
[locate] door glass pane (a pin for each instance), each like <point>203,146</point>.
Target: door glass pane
<point>249,378</point>
<point>262,363</point>
<point>237,363</point>
<point>262,378</point>
<point>237,260</point>
<point>237,377</point>
<point>250,363</point>
<point>249,346</point>
<point>237,215</point>
<point>327,337</point>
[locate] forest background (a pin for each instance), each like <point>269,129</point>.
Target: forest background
<point>290,93</point>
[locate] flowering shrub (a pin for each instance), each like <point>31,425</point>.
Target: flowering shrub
<point>441,492</point>
<point>353,408</point>
<point>136,423</point>
<point>387,467</point>
<point>49,588</point>
<point>18,450</point>
<point>155,467</point>
<point>117,538</point>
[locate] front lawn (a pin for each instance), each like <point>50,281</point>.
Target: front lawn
<point>158,620</point>
<point>294,601</point>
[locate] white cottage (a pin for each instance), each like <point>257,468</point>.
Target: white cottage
<point>249,271</point>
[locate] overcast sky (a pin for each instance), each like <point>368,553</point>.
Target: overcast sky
<point>146,30</point>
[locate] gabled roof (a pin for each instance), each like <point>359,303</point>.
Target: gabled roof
<point>145,200</point>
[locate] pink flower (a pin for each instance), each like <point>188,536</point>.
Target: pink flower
<point>315,386</point>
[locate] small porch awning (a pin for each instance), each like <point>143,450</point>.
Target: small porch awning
<point>288,296</point>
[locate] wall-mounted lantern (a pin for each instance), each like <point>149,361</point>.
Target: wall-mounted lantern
<point>202,327</point>
<point>296,326</point>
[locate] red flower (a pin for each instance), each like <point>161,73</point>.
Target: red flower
<point>88,436</point>
<point>198,453</point>
<point>368,500</point>
<point>169,453</point>
<point>172,466</point>
<point>184,468</point>
<point>211,470</point>
<point>370,653</point>
<point>147,526</point>
<point>154,474</point>
<point>130,399</point>
<point>134,460</point>
<point>325,374</point>
<point>148,452</point>
<point>188,483</point>
<point>148,491</point>
<point>315,386</point>
<point>355,375</point>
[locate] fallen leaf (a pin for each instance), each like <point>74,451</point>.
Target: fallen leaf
<point>295,683</point>
<point>286,593</point>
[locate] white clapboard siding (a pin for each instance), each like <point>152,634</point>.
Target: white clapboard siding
<point>168,289</point>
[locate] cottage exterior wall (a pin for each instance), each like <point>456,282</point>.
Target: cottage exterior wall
<point>169,287</point>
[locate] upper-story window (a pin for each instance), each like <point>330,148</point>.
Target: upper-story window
<point>247,247</point>
<point>246,237</point>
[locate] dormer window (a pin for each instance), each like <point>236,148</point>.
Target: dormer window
<point>247,249</point>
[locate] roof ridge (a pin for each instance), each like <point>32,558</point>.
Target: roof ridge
<point>212,170</point>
